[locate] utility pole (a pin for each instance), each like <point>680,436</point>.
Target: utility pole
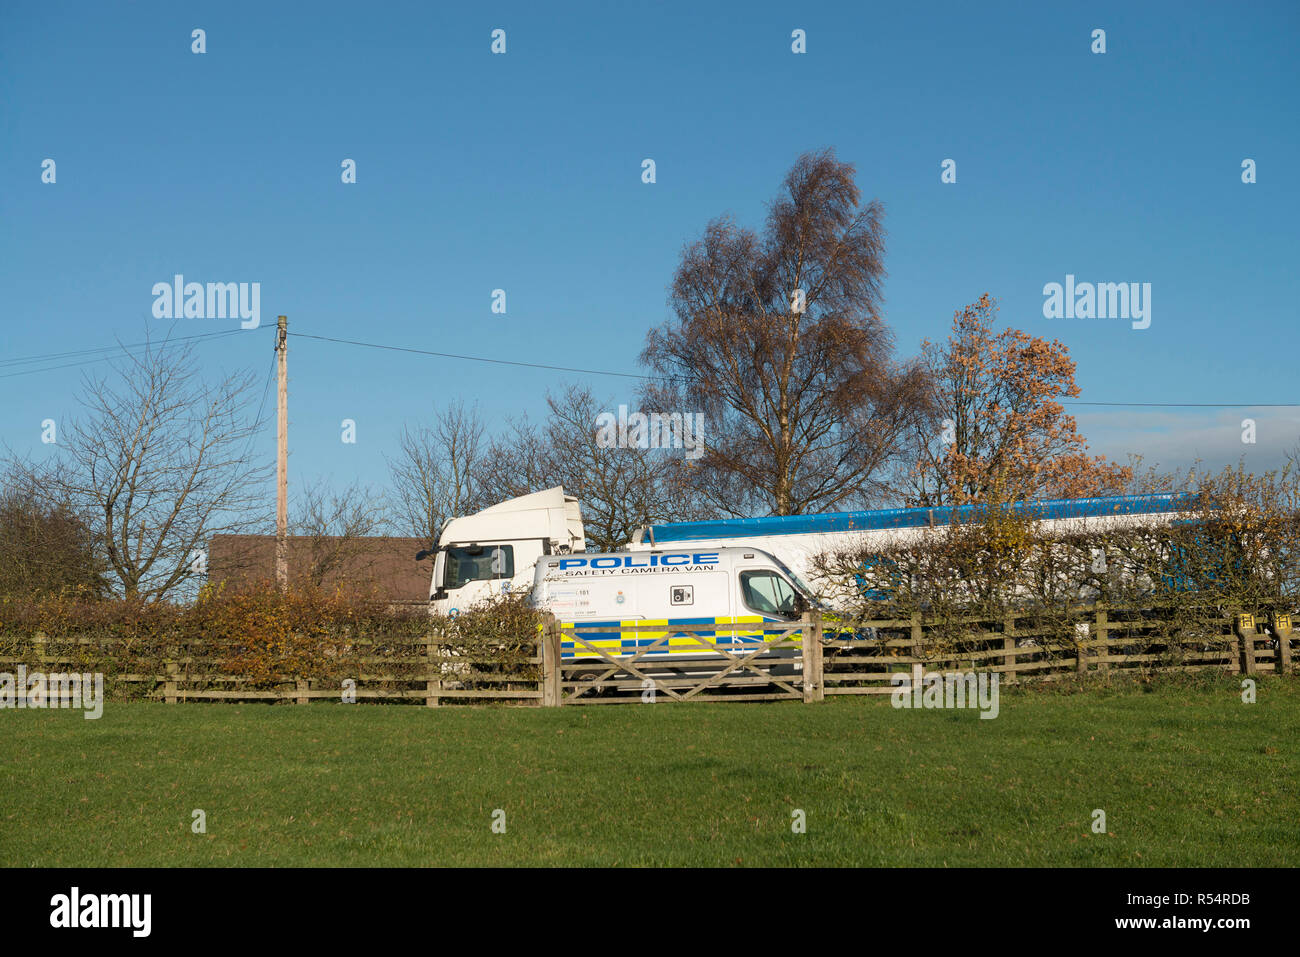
<point>282,455</point>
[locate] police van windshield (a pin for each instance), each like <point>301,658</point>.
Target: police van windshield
<point>769,594</point>
<point>799,583</point>
<point>478,563</point>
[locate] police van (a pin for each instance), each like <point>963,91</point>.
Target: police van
<point>732,595</point>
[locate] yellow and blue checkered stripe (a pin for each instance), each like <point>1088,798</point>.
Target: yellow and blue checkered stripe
<point>610,639</point>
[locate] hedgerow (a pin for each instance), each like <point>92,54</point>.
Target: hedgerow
<point>1167,586</point>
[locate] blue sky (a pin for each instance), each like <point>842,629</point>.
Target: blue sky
<point>522,172</point>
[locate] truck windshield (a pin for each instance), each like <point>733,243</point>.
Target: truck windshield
<point>478,563</point>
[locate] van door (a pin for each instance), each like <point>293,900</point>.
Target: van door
<point>681,600</point>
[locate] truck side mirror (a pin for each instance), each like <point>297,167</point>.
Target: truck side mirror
<point>422,554</point>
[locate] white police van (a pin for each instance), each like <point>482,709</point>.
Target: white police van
<point>728,594</point>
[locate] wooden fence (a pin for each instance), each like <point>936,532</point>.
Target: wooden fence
<point>433,670</point>
<point>1026,648</point>
<point>802,660</point>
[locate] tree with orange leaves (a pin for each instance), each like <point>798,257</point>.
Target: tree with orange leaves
<point>999,432</point>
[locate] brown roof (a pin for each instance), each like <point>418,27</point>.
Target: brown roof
<point>386,564</point>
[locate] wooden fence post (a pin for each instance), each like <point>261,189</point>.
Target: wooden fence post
<point>432,685</point>
<point>169,686</point>
<point>551,674</point>
<point>1244,626</point>
<point>1282,628</point>
<point>1103,636</point>
<point>812,658</point>
<point>302,691</point>
<point>1009,650</point>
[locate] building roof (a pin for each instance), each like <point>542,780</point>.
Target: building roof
<point>382,563</point>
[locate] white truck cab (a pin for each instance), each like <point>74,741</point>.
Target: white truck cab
<point>495,551</point>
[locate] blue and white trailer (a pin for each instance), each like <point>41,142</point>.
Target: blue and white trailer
<point>497,550</point>
<point>797,540</point>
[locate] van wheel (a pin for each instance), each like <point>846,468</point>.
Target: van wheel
<point>589,687</point>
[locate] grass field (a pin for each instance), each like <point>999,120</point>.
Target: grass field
<point>1186,774</point>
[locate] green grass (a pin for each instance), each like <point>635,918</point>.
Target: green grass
<point>1187,775</point>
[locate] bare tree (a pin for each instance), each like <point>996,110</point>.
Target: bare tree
<point>516,462</point>
<point>334,526</point>
<point>159,461</point>
<point>437,472</point>
<point>778,339</point>
<point>621,486</point>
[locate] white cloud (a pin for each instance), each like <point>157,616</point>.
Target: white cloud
<point>1175,439</point>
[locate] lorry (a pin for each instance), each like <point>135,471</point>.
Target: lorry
<point>497,550</point>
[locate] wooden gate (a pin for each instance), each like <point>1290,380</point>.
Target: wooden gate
<point>706,662</point>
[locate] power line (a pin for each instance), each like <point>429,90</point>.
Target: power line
<point>453,355</point>
<point>257,422</point>
<point>66,365</point>
<point>112,350</point>
<point>633,375</point>
<point>100,353</point>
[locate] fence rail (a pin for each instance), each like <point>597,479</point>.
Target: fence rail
<point>1099,640</point>
<point>434,669</point>
<point>803,660</point>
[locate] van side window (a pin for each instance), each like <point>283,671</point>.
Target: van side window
<point>769,594</point>
<point>478,563</point>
